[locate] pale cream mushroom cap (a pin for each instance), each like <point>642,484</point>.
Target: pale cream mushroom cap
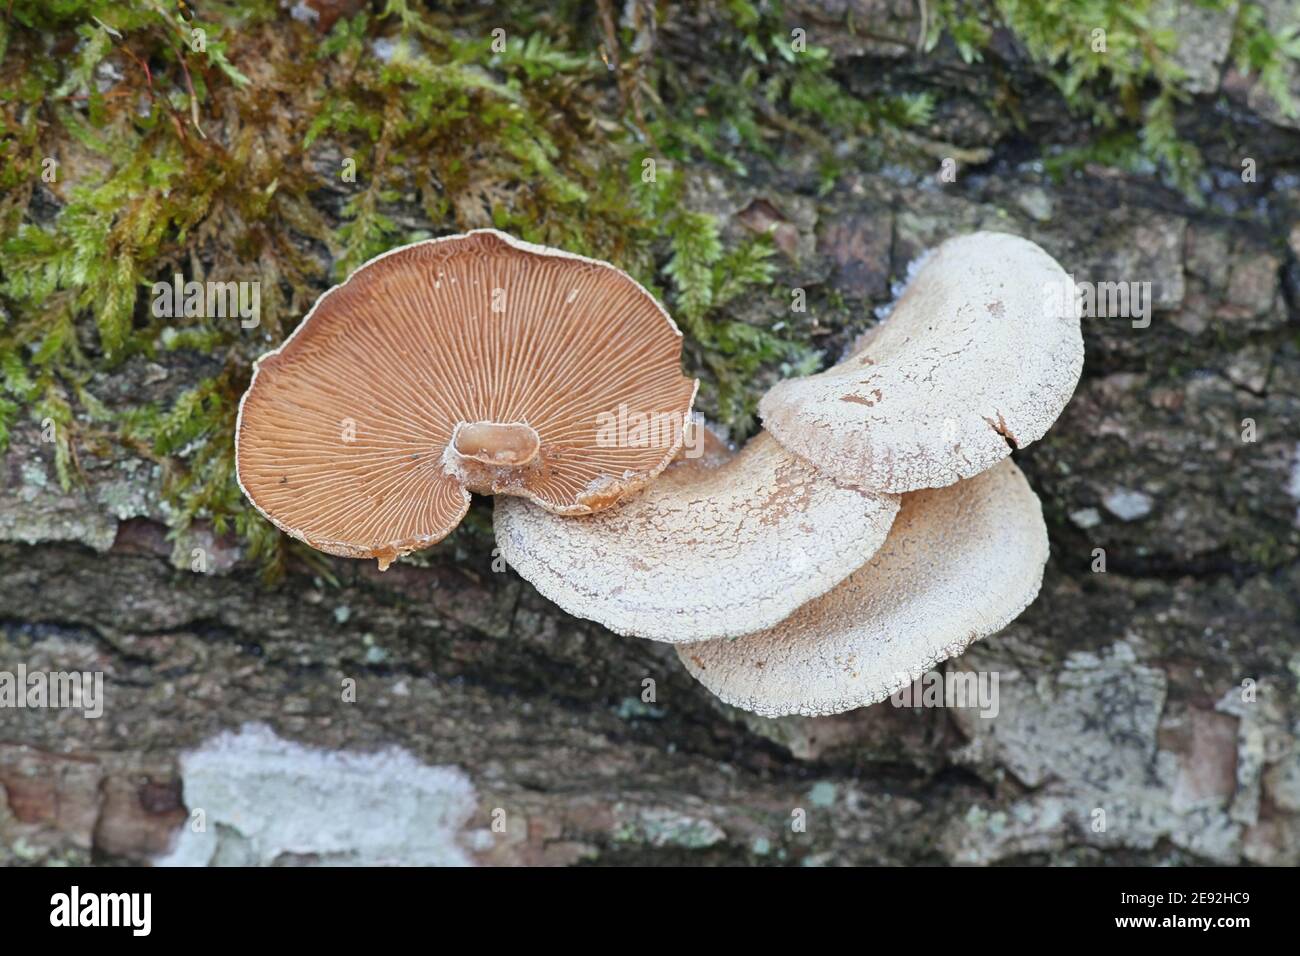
<point>705,550</point>
<point>960,563</point>
<point>979,356</point>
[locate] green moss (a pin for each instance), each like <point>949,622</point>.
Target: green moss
<point>708,278</point>
<point>211,147</point>
<point>780,89</point>
<point>141,138</point>
<point>1130,91</point>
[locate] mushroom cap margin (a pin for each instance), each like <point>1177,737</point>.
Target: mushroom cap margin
<point>704,551</point>
<point>960,563</point>
<point>973,361</point>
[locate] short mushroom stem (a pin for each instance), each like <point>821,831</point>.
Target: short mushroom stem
<point>492,457</point>
<point>496,444</point>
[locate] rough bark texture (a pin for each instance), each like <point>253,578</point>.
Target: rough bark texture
<point>1162,692</point>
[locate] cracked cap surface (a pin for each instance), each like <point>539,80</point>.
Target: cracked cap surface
<point>978,357</point>
<point>704,551</point>
<point>960,563</point>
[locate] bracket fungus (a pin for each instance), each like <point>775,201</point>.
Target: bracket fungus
<point>811,603</point>
<point>703,551</point>
<point>791,575</point>
<point>471,363</point>
<point>960,563</point>
<point>978,357</point>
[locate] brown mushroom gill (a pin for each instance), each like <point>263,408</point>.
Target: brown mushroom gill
<point>470,363</point>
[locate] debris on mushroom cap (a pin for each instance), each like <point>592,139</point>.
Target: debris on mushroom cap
<point>978,357</point>
<point>960,563</point>
<point>469,363</point>
<point>703,551</point>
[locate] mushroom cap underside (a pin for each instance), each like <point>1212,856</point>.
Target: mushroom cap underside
<point>565,371</point>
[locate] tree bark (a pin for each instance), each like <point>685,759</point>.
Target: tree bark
<point>1147,713</point>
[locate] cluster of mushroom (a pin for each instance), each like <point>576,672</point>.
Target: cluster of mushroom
<point>874,528</point>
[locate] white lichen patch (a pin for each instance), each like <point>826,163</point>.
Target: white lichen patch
<point>1085,518</point>
<point>34,509</point>
<point>664,827</point>
<point>1108,764</point>
<point>1127,504</point>
<point>265,801</point>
